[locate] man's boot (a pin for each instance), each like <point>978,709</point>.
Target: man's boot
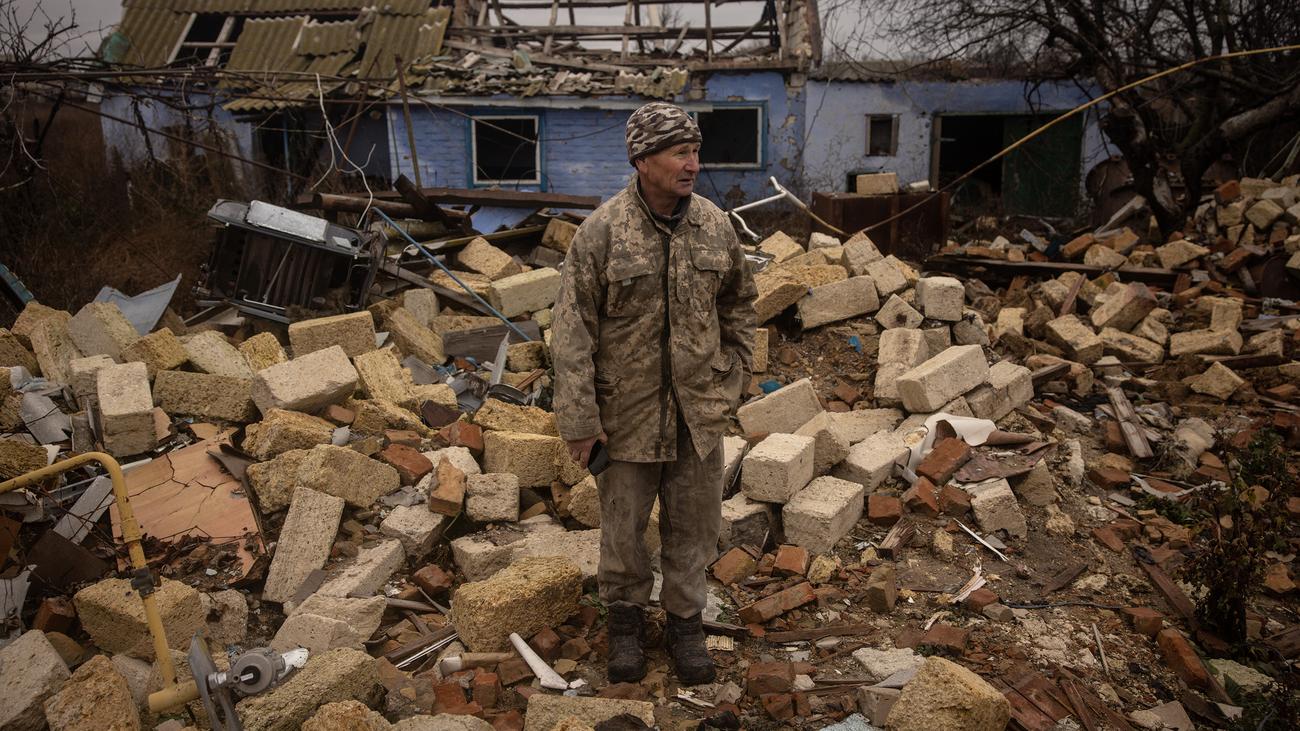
<point>626,662</point>
<point>685,640</point>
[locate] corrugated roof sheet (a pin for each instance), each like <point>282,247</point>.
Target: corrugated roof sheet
<point>268,44</point>
<point>294,93</point>
<point>146,36</point>
<point>391,7</point>
<point>391,36</point>
<point>323,39</point>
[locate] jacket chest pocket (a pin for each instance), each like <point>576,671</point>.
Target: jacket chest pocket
<point>632,286</point>
<point>704,277</point>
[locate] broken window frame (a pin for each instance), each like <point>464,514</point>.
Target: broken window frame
<point>760,139</point>
<point>477,181</point>
<point>892,148</point>
<point>223,42</point>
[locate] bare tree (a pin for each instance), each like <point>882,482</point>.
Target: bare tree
<point>1169,129</point>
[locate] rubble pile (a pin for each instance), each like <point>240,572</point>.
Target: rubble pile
<point>936,497</point>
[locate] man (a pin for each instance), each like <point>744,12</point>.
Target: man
<point>652,343</point>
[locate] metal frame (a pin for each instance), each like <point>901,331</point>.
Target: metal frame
<point>473,151</point>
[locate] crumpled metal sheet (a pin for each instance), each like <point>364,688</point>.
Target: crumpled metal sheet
<point>145,309</point>
<point>989,465</point>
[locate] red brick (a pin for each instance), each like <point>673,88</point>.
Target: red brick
<point>847,393</point>
<point>954,501</point>
<point>1181,657</point>
<point>1114,437</point>
<point>547,644</point>
<point>1126,528</point>
<point>777,604</point>
<point>791,561</point>
<point>947,637</point>
<point>409,463</point>
<point>575,649</point>
<point>1227,192</point>
<point>513,671</point>
<point>920,497</point>
<point>1106,537</point>
<point>448,496</point>
<point>433,580</point>
<point>1235,259</point>
<point>449,697</point>
<point>55,614</point>
<point>339,415</point>
<point>464,434</point>
<point>779,706</point>
<point>884,509</point>
<point>1109,478</point>
<point>944,460</point>
<point>734,567</point>
<point>764,678</point>
<point>980,598</point>
<point>509,721</point>
<point>486,689</point>
<point>402,436</point>
<point>1145,620</point>
<point>1077,246</point>
<point>801,705</point>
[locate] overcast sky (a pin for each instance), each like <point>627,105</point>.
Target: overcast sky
<point>95,18</point>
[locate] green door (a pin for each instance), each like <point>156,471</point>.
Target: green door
<point>1042,177</point>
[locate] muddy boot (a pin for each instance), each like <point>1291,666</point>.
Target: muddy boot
<point>685,640</point>
<point>626,662</point>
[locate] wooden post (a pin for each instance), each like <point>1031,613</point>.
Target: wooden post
<point>555,12</point>
<point>627,20</point>
<point>708,29</point>
<point>406,116</point>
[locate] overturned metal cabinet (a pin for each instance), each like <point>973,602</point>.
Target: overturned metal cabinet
<point>269,260</point>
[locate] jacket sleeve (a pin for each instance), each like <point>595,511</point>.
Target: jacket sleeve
<point>574,336</point>
<point>736,317</point>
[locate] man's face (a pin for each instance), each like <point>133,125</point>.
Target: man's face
<point>671,171</point>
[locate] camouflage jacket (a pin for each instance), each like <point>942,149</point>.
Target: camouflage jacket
<point>649,323</point>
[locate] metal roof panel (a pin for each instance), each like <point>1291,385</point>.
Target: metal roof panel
<point>268,44</point>
<point>146,37</point>
<point>322,39</point>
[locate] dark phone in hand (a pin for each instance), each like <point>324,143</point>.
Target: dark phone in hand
<point>598,459</point>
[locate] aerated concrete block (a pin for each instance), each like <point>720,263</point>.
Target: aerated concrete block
<point>527,292</point>
<point>781,247</point>
<point>838,301</point>
<point>1078,340</point>
<point>944,377</point>
<point>126,409</point>
<point>778,467</point>
<point>112,614</point>
<point>526,597</point>
<point>85,376</point>
<point>30,672</point>
<point>887,275</point>
<point>416,527</point>
<point>859,424</point>
<point>871,461</point>
<point>306,384</point>
<point>159,351</point>
<point>1125,308</point>
<point>210,352</point>
<point>203,395</point>
<point>1204,342</point>
<point>996,508</point>
<point>421,302</point>
<point>897,314</point>
<point>940,298</point>
<point>262,351</point>
<point>367,572</point>
<point>354,332</point>
<point>486,259</point>
<point>492,497</point>
<point>54,349</point>
<point>782,411</point>
<point>831,446</point>
<point>822,513</point>
<point>1131,348</point>
<point>381,376</point>
<point>900,350</point>
<point>744,522</point>
<point>304,542</point>
<point>530,457</point>
<point>415,339</point>
<point>100,328</point>
<point>1009,387</point>
<point>859,252</point>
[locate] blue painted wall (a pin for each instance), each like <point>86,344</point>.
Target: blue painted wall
<point>835,125</point>
<point>127,140</point>
<point>582,143</point>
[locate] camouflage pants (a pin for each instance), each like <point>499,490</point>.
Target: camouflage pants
<point>690,510</point>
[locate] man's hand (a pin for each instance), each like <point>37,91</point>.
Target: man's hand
<point>580,449</point>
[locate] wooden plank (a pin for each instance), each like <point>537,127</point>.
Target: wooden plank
<point>481,343</point>
<point>1024,714</point>
<point>816,633</point>
<point>1130,425</point>
<point>1081,710</point>
<point>1043,693</point>
<point>1286,642</point>
<point>1068,574</point>
<point>896,538</point>
<point>1172,593</point>
<point>427,210</point>
<point>955,262</point>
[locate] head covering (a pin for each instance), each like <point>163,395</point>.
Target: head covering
<point>656,126</point>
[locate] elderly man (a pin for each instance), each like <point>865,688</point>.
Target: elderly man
<point>652,344</point>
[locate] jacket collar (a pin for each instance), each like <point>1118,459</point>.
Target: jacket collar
<point>691,216</point>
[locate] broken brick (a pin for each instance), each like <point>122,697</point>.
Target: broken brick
<point>432,580</point>
<point>920,497</point>
<point>411,466</point>
<point>1106,537</point>
<point>884,509</point>
<point>547,644</point>
<point>765,678</point>
<point>1145,620</point>
<point>779,706</point>
<point>734,567</point>
<point>791,561</point>
<point>944,460</point>
<point>980,598</point>
<point>1181,657</point>
<point>947,638</point>
<point>777,604</point>
<point>954,501</point>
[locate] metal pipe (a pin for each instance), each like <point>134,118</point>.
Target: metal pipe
<point>130,536</point>
<point>454,278</point>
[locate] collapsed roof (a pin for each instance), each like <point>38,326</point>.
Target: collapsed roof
<point>270,54</point>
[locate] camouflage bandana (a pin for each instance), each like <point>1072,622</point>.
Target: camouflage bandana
<point>656,126</point>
